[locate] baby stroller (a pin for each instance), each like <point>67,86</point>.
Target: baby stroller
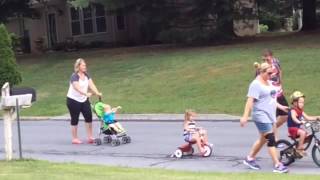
<point>108,133</point>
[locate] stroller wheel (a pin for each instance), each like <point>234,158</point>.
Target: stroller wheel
<point>128,139</point>
<point>114,142</point>
<point>118,142</point>
<point>178,153</point>
<point>124,140</point>
<point>107,139</point>
<point>97,141</point>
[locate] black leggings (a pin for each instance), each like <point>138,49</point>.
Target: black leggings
<point>76,107</point>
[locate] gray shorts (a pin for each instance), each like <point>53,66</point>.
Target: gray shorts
<point>264,127</point>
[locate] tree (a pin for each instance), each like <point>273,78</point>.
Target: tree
<point>11,8</point>
<point>8,66</point>
<point>309,15</point>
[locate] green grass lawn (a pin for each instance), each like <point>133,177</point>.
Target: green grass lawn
<point>39,170</point>
<point>212,79</point>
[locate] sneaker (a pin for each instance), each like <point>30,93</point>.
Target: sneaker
<point>76,141</point>
<point>280,169</point>
<point>251,164</point>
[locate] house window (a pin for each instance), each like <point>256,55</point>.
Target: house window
<point>75,21</point>
<point>120,20</point>
<point>100,18</point>
<point>88,20</point>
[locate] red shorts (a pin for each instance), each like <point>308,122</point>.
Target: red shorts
<point>293,131</point>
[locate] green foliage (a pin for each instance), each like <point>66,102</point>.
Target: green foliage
<point>164,20</point>
<point>15,41</point>
<point>79,3</point>
<point>8,66</point>
<point>263,28</point>
<point>9,8</point>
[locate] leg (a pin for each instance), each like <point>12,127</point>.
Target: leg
<point>114,127</point>
<point>256,147</point>
<point>270,137</point>
<point>278,166</point>
<point>118,125</point>
<point>282,116</point>
<point>302,135</point>
<point>204,135</point>
<point>74,110</point>
<point>87,114</point>
<point>197,138</point>
<point>281,119</point>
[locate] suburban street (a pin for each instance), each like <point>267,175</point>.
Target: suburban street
<point>152,144</point>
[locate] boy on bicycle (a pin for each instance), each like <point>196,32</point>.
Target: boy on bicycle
<point>296,117</point>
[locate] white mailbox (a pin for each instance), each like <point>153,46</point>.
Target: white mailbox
<point>8,102</point>
<point>9,105</point>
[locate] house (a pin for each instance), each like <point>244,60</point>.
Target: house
<point>56,21</point>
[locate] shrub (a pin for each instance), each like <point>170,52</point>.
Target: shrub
<point>263,28</point>
<point>8,66</point>
<point>272,23</point>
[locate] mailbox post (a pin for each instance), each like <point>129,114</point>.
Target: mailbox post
<point>8,105</point>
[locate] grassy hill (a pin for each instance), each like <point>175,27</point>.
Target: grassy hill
<point>169,79</point>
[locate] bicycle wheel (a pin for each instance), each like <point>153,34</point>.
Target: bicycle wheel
<point>286,151</point>
<point>316,155</point>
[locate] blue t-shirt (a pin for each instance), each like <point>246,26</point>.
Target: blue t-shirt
<point>109,117</point>
<point>265,103</point>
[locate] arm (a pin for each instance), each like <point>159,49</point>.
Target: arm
<point>283,108</point>
<point>280,76</point>
<point>247,110</point>
<point>93,87</point>
<point>310,118</point>
<point>116,109</point>
<point>294,117</point>
<point>76,86</point>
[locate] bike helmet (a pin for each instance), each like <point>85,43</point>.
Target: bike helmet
<point>296,95</point>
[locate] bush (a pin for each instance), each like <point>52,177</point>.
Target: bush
<point>190,36</point>
<point>263,28</point>
<point>8,66</point>
<point>272,23</point>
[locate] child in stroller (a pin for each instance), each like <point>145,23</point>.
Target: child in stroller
<point>112,130</point>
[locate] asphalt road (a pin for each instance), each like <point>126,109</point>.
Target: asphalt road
<point>151,146</point>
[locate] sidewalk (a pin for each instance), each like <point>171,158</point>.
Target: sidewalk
<point>147,117</point>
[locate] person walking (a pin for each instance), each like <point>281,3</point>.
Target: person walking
<point>78,100</point>
<point>261,100</point>
<point>276,80</point>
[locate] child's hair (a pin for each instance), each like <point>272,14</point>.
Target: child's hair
<point>261,67</point>
<point>267,52</point>
<point>188,113</point>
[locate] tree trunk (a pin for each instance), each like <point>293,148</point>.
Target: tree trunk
<point>225,16</point>
<point>309,15</point>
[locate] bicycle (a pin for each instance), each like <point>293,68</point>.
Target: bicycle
<point>288,150</point>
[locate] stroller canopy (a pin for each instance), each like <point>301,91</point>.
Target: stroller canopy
<point>99,109</point>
